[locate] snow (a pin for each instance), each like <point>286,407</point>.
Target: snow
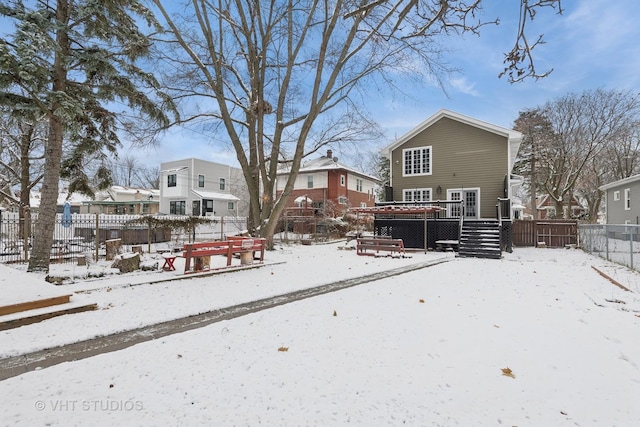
<point>425,348</point>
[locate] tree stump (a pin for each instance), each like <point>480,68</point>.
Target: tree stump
<point>113,248</point>
<point>127,263</point>
<point>202,263</point>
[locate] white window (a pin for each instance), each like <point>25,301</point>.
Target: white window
<point>343,180</point>
<point>416,161</point>
<point>223,184</point>
<point>358,184</point>
<point>309,181</point>
<point>201,181</point>
<point>171,180</point>
<point>616,196</point>
<point>417,195</point>
<point>363,204</point>
<point>627,199</point>
<point>342,200</point>
<point>231,206</point>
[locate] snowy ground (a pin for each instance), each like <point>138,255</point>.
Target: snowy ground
<point>427,348</point>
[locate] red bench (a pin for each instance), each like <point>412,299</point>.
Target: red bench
<point>230,247</point>
<point>377,244</point>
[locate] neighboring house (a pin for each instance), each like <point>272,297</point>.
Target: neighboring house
<point>329,187</point>
<point>119,200</point>
<point>75,201</point>
<point>547,208</point>
<point>450,156</point>
<point>202,188</point>
<point>622,201</point>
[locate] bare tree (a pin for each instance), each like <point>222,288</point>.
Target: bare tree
<point>21,156</point>
<point>282,79</point>
<point>583,127</point>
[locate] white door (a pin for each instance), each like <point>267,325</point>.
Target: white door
<point>471,202</point>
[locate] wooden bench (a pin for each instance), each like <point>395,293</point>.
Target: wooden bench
<point>377,244</point>
<point>446,245</point>
<point>229,248</point>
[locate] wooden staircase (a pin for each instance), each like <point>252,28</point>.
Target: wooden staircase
<point>480,239</point>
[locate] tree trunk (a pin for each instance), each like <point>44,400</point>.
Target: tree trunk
<point>45,225</point>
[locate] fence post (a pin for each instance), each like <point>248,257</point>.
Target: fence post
<point>97,242</point>
<point>27,232</point>
<point>606,240</point>
<point>149,237</point>
<point>222,228</point>
<point>631,240</point>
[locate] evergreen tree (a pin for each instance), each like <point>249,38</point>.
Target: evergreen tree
<point>75,61</point>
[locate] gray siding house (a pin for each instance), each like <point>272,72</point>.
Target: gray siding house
<point>202,188</point>
<point>622,201</point>
<point>451,156</point>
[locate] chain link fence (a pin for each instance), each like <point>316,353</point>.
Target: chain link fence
<point>85,234</point>
<point>616,243</point>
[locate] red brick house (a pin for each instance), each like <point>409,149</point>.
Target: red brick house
<point>547,209</point>
<point>326,187</point>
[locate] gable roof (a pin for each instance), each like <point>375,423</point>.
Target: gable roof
<point>514,138</point>
<point>327,163</point>
<point>628,180</point>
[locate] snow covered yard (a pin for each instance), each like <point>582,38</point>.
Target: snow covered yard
<point>537,338</point>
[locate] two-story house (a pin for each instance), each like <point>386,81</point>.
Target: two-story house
<point>329,187</point>
<point>451,156</point>
<point>120,200</point>
<point>622,201</point>
<point>202,188</point>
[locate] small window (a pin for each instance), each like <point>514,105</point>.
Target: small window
<point>222,184</point>
<point>627,199</point>
<point>343,200</point>
<point>358,184</point>
<point>172,180</point>
<point>309,181</point>
<point>177,208</point>
<point>231,206</point>
<point>616,196</point>
<point>201,181</point>
<point>343,180</point>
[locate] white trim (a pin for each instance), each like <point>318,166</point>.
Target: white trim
<point>511,135</point>
<point>428,148</point>
<point>413,192</point>
<point>627,199</point>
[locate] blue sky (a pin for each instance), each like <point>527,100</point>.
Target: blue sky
<point>594,44</point>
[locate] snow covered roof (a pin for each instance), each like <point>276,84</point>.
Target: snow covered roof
<point>328,162</point>
<point>215,196</point>
<point>620,182</point>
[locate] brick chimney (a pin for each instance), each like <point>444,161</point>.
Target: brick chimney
<point>329,154</point>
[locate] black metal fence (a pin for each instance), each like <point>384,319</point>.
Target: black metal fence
<point>85,234</point>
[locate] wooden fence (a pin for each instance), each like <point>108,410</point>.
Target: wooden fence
<point>554,233</point>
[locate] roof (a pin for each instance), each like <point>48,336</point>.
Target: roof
<point>620,182</point>
<point>324,163</point>
<point>513,137</point>
<point>215,196</point>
